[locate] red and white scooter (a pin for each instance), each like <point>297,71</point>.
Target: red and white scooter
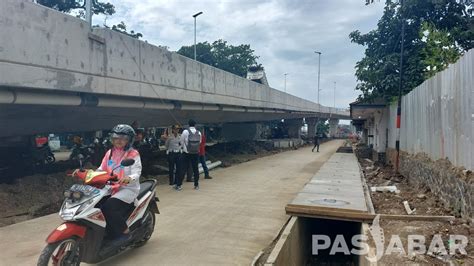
<point>81,238</point>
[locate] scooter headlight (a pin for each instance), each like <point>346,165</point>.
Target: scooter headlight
<point>77,195</point>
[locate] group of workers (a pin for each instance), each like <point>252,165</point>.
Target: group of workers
<point>185,151</point>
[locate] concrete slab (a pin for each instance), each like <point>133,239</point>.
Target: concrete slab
<point>336,186</point>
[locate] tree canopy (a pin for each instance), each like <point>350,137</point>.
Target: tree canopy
<point>67,6</point>
<point>98,7</point>
<point>234,59</point>
<point>437,33</point>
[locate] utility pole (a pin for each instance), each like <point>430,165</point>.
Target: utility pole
<point>334,95</point>
<point>400,86</point>
<point>319,70</point>
<point>286,74</point>
<point>89,13</point>
<point>195,16</point>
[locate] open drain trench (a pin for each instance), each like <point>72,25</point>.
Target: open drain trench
<point>322,216</point>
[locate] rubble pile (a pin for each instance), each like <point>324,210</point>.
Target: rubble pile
<point>409,199</point>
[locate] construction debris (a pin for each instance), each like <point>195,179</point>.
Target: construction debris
<point>210,166</point>
<point>431,218</point>
<point>407,207</point>
<point>392,189</point>
<point>421,196</point>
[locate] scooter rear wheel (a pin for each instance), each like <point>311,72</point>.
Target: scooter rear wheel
<point>65,252</point>
<point>149,221</point>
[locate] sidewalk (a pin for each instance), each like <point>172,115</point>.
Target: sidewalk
<point>228,221</point>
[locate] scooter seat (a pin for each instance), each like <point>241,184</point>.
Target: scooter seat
<point>146,186</point>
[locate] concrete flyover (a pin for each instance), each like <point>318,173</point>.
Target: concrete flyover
<point>56,75</point>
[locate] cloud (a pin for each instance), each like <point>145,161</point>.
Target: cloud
<point>284,33</point>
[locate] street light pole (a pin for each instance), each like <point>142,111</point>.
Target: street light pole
<point>334,95</point>
<point>89,13</point>
<point>285,80</point>
<point>400,87</point>
<point>195,16</point>
<point>319,70</point>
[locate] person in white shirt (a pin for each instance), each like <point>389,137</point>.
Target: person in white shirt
<point>174,150</point>
<point>191,140</point>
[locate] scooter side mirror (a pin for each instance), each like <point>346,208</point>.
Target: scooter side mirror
<point>127,162</point>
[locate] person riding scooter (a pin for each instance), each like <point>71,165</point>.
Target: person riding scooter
<point>118,206</point>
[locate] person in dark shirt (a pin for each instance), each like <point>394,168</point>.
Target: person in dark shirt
<point>316,143</point>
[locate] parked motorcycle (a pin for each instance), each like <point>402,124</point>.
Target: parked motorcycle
<point>82,236</point>
<point>87,151</point>
<point>42,155</point>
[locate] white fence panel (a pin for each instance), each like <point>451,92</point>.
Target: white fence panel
<point>438,116</point>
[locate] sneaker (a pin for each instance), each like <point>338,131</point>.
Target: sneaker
<point>121,240</point>
<point>196,187</point>
<point>179,188</point>
<point>208,177</point>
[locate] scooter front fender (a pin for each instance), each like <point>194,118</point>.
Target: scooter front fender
<point>66,230</point>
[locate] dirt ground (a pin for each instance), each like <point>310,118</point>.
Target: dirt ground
<point>41,194</point>
<point>425,203</point>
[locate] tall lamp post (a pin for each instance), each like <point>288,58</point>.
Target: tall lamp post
<point>334,95</point>
<point>195,16</point>
<point>319,70</point>
<point>89,13</point>
<point>286,74</point>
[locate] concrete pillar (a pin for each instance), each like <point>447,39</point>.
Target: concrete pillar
<point>294,128</point>
<point>333,127</point>
<point>312,122</point>
<point>243,131</point>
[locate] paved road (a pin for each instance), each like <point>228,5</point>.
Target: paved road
<point>228,221</point>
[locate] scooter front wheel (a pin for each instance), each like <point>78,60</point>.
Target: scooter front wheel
<point>64,252</point>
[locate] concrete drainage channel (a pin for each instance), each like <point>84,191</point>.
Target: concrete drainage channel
<point>318,218</point>
<point>295,243</point>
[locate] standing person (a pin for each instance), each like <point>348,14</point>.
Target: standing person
<point>173,150</point>
<point>316,142</point>
<point>191,140</point>
<point>202,156</point>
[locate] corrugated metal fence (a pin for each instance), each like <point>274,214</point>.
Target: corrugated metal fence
<point>438,116</point>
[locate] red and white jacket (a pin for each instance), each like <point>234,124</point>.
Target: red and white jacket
<point>129,192</point>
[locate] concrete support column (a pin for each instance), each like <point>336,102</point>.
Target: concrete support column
<point>311,122</point>
<point>242,131</point>
<point>333,127</point>
<point>294,128</point>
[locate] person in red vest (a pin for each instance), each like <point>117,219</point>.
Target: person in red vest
<point>202,156</point>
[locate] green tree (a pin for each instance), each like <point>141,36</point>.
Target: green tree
<point>67,6</point>
<point>446,23</point>
<point>220,54</point>
<point>122,28</point>
<point>439,50</point>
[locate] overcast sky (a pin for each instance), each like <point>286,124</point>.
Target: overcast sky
<point>284,33</point>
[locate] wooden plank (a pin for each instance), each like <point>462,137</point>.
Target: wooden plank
<point>304,211</point>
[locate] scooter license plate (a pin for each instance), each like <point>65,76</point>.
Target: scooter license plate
<point>87,190</point>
